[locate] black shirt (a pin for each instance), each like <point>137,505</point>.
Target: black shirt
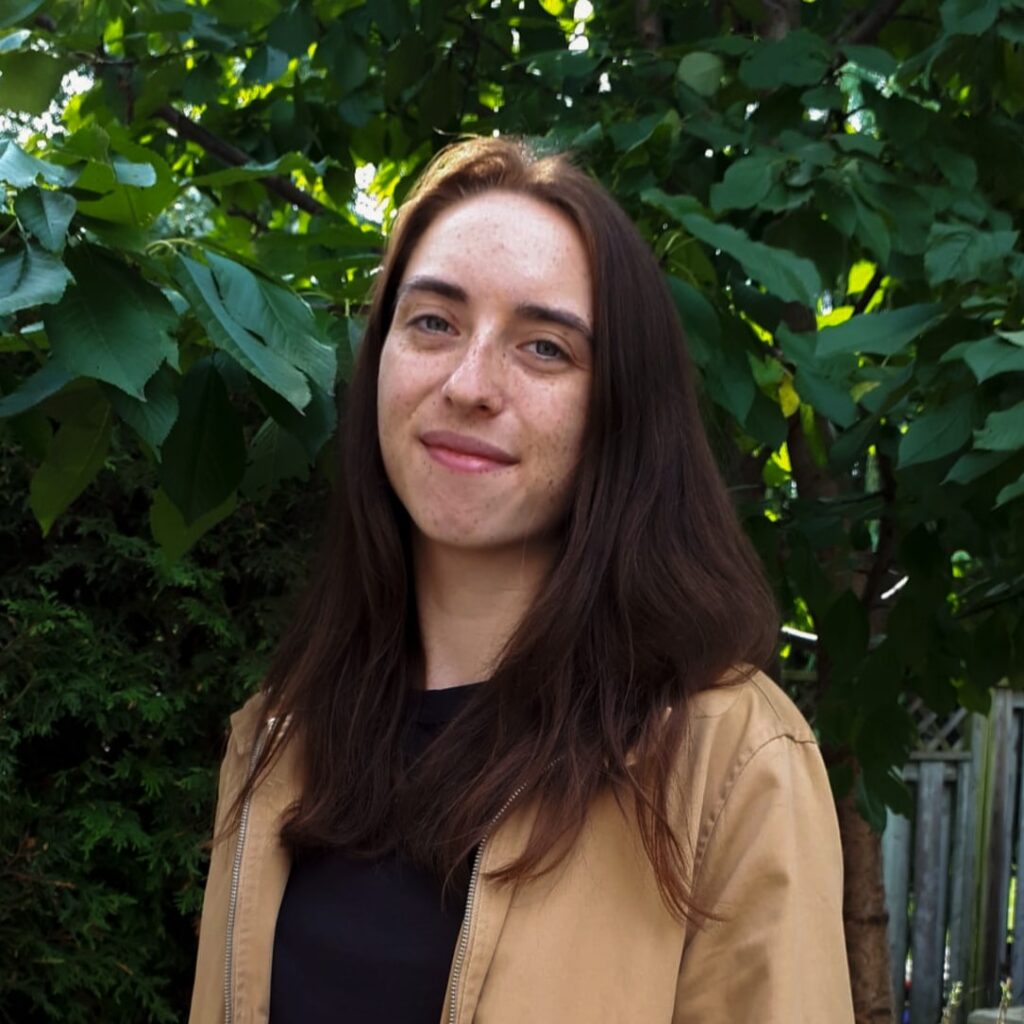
<point>367,941</point>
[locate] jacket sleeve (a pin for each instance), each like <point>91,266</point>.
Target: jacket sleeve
<point>771,872</point>
<point>208,990</point>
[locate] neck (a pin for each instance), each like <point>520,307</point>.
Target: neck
<point>469,603</point>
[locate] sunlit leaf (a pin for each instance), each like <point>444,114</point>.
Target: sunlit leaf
<point>29,79</point>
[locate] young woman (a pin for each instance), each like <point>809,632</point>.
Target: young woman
<point>514,761</point>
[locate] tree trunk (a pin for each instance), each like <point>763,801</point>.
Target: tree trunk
<point>865,918</point>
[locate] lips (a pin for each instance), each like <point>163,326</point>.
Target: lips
<point>465,445</point>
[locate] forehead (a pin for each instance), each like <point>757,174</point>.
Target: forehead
<point>509,244</point>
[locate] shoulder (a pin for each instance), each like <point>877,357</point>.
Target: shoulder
<point>746,729</point>
<point>749,707</point>
<point>247,723</point>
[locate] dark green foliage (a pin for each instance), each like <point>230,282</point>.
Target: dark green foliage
<point>118,673</point>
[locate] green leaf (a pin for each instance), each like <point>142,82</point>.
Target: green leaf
<point>283,165</point>
<point>836,203</point>
<point>675,206</point>
<point>279,317</point>
<point>747,181</point>
<point>1003,430</point>
<point>135,186</point>
<point>968,17</point>
<point>46,214</point>
<point>988,357</point>
<point>153,417</point>
<point>29,79</point>
<point>293,30</point>
<point>958,168</point>
<point>203,457</point>
<point>1010,492</point>
<point>783,273</point>
<point>878,790</point>
<point>938,433</point>
<point>764,421</point>
<point>972,465</point>
<point>824,97</point>
<point>728,377</point>
<point>170,530</point>
<point>882,334</point>
<point>76,455</point>
<point>112,325</point>
<point>852,444</point>
<point>131,172</point>
<point>266,65</point>
<point>800,58</point>
<point>872,58</point>
<point>19,169</point>
<point>873,231</point>
<point>46,381</point>
<point>311,427</point>
<point>700,320</point>
<point>701,71</point>
<point>18,11</point>
<point>14,40</point>
<point>844,631</point>
<point>962,253</point>
<point>30,277</point>
<point>198,284</point>
<point>827,397</point>
<point>275,455</point>
<point>392,17</point>
<point>630,134</point>
<point>344,57</point>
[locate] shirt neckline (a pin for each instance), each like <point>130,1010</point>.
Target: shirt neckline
<point>440,705</point>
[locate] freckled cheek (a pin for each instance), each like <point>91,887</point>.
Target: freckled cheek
<point>402,388</point>
<point>557,447</point>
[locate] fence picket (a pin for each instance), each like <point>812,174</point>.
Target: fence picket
<point>955,863</point>
<point>931,867</point>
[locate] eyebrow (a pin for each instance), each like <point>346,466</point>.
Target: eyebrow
<point>526,310</point>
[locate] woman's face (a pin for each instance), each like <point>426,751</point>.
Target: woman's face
<point>489,346</point>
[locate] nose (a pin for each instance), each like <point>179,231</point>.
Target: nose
<point>475,382</point>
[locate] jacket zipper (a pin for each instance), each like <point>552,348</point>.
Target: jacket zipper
<point>236,874</point>
<point>460,952</point>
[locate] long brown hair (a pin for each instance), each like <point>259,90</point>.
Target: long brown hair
<point>654,595</point>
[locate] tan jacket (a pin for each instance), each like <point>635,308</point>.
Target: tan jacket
<point>592,942</point>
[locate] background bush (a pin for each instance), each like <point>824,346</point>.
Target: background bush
<point>119,673</point>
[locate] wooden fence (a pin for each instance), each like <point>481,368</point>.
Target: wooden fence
<point>953,870</point>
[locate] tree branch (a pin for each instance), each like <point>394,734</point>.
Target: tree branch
<point>868,294</point>
<point>233,156</point>
<point>780,18</point>
<point>886,536</point>
<point>873,23</point>
<point>648,25</point>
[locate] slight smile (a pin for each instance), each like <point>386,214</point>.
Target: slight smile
<point>465,454</point>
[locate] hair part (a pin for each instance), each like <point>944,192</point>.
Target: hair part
<point>655,593</point>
